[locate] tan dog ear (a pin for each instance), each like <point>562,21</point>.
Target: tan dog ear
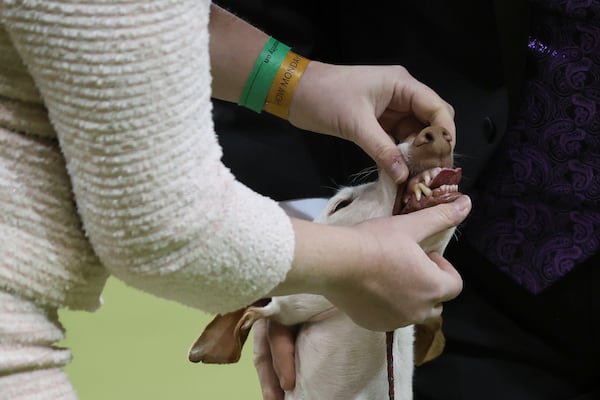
<point>429,341</point>
<point>222,340</point>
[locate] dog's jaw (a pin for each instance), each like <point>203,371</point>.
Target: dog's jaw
<point>429,188</point>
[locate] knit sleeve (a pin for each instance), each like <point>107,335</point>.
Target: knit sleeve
<point>127,87</point>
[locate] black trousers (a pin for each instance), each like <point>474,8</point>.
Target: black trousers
<point>504,343</point>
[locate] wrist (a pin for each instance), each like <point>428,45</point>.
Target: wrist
<point>315,97</point>
<point>273,79</point>
<point>286,80</point>
<point>326,261</point>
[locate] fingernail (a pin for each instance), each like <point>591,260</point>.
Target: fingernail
<point>463,203</point>
<point>399,172</point>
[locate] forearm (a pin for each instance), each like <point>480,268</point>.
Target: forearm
<point>234,47</point>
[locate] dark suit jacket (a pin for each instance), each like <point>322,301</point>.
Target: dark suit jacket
<point>470,51</point>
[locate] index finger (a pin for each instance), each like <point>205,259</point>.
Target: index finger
<point>431,108</point>
<point>444,117</point>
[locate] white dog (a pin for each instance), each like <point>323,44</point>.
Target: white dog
<point>335,358</point>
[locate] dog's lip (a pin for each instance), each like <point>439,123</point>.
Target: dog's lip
<point>429,188</point>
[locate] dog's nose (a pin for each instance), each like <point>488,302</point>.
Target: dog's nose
<point>433,147</point>
<point>434,136</point>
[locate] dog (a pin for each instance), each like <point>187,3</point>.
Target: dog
<point>335,358</point>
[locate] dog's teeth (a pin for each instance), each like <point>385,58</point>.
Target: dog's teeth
<point>417,191</point>
<point>425,189</point>
<point>427,178</point>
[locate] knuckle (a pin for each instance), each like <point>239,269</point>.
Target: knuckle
<point>384,152</point>
<point>438,293</point>
<point>450,109</point>
<point>422,316</point>
<point>400,70</point>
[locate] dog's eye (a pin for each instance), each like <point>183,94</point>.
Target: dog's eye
<point>341,204</point>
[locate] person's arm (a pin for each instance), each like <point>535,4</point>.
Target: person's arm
<point>357,103</point>
<point>234,47</point>
<point>128,92</point>
<point>353,103</point>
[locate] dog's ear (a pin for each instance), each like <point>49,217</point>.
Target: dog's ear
<point>222,340</point>
<point>429,341</point>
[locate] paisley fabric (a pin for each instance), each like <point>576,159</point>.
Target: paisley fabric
<point>537,212</point>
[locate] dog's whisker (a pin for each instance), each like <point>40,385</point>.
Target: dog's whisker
<point>362,175</point>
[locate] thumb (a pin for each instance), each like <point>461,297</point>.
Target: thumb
<point>380,146</point>
<point>429,221</point>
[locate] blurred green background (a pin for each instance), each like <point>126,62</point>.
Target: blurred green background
<point>135,347</point>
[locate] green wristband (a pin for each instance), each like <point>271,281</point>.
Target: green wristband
<point>259,82</point>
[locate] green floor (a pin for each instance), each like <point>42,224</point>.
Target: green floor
<point>135,347</point>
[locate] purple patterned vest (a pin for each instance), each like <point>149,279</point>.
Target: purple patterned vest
<point>537,212</point>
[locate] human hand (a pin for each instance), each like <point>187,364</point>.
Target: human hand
<point>399,284</point>
<point>392,284</point>
<point>367,104</point>
<point>376,271</point>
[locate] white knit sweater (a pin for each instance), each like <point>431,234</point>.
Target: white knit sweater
<point>109,163</point>
<point>126,86</point>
